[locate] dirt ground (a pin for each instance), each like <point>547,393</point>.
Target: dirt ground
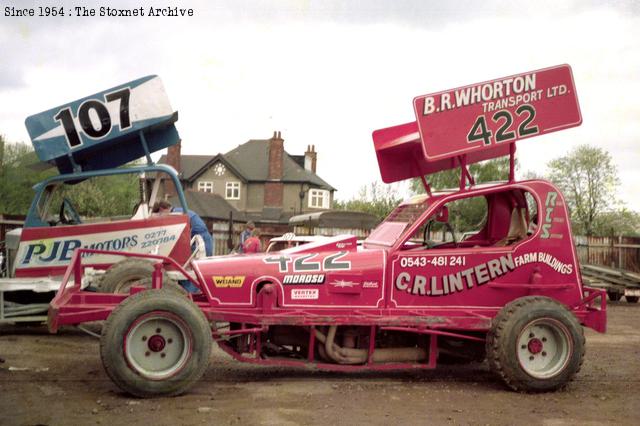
<point>58,380</point>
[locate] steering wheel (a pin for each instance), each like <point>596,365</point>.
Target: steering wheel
<point>427,232</point>
<point>65,207</point>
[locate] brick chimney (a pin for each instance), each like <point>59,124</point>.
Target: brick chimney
<point>310,158</point>
<point>274,188</point>
<point>173,160</point>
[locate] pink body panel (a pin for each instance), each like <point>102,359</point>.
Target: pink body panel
<point>323,277</point>
<point>476,276</point>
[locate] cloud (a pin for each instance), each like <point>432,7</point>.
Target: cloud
<point>330,72</point>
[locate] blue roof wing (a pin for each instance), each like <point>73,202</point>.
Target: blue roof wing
<point>107,129</point>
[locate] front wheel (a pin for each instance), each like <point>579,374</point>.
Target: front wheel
<point>155,343</point>
<point>632,299</point>
<point>535,344</point>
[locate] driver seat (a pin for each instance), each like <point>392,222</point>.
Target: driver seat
<point>517,228</point>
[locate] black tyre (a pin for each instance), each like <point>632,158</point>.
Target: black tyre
<point>155,343</point>
<point>614,296</point>
<point>632,299</point>
<point>535,344</point>
<point>121,276</point>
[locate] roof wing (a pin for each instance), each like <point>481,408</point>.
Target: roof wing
<point>107,129</point>
<point>477,122</point>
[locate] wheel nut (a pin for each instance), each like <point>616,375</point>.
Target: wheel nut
<point>147,353</point>
<point>531,335</point>
<point>531,358</point>
<point>544,339</point>
<point>158,330</point>
<point>544,353</point>
<point>169,340</point>
<point>144,338</point>
<point>162,355</point>
<point>523,347</point>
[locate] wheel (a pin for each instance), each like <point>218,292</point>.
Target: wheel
<point>614,296</point>
<point>121,276</point>
<point>155,343</point>
<point>632,299</point>
<point>535,344</point>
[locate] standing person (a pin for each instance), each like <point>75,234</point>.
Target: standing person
<point>249,227</point>
<point>198,227</point>
<point>252,244</point>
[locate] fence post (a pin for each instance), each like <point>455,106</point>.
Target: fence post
<point>611,250</point>
<point>619,251</point>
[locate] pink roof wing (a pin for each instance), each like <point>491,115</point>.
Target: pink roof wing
<point>478,122</point>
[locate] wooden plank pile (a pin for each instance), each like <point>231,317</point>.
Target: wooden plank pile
<point>617,282</point>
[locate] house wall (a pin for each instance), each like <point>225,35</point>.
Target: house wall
<point>219,186</point>
<point>255,196</point>
<point>291,199</point>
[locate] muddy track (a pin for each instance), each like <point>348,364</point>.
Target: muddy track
<point>59,380</point>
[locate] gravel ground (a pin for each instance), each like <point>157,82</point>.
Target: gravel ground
<point>58,380</point>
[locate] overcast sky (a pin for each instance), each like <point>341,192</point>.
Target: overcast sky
<point>328,73</point>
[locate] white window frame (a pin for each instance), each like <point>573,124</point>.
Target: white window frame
<point>318,198</point>
<point>232,186</point>
<point>205,186</point>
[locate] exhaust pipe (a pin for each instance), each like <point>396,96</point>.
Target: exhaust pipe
<point>342,355</point>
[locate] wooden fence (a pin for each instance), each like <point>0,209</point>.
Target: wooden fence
<point>613,252</point>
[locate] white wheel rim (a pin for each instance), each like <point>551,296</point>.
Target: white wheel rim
<point>544,348</point>
<point>158,345</point>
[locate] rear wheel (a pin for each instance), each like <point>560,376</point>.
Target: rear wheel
<point>121,276</point>
<point>535,344</point>
<point>155,343</point>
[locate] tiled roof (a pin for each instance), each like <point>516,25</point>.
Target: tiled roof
<point>208,205</point>
<point>251,160</point>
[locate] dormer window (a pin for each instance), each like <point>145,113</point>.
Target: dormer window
<point>318,199</point>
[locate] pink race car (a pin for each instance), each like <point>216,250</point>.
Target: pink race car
<point>412,294</point>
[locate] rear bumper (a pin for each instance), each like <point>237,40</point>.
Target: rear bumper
<point>594,304</point>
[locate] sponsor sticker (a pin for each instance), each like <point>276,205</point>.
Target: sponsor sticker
<point>58,251</point>
<point>475,276</point>
<point>343,284</point>
<point>303,279</point>
<point>228,281</point>
<point>305,293</point>
<point>370,284</point>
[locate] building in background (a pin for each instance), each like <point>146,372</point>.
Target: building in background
<point>257,181</point>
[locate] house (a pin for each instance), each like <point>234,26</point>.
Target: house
<point>257,181</point>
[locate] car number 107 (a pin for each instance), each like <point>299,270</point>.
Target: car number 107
<point>422,261</point>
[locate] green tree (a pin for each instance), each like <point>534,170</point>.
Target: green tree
<point>105,196</point>
<point>17,176</point>
<point>485,171</point>
<point>619,222</point>
<point>377,199</point>
<point>467,214</point>
<point>102,196</point>
<point>588,178</point>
